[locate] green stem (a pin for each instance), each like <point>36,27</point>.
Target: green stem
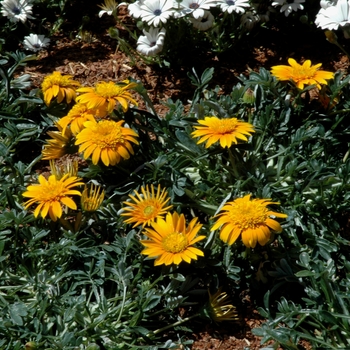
<point>123,303</point>
<point>233,164</point>
<point>175,324</point>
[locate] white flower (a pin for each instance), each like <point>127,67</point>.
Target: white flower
<point>203,23</point>
<point>156,11</point>
<point>34,42</point>
<point>233,5</point>
<point>326,3</point>
<point>108,7</point>
<point>196,7</point>
<point>249,20</point>
<point>152,42</point>
<point>135,9</point>
<point>288,7</point>
<point>17,10</point>
<point>334,16</point>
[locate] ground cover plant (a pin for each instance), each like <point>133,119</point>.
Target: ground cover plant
<point>120,225</point>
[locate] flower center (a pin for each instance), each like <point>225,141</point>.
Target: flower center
<point>230,2</point>
<point>175,242</point>
<point>106,134</point>
<point>56,79</point>
<point>193,6</point>
<point>301,74</point>
<point>248,214</point>
<point>52,192</point>
<point>107,90</point>
<point>16,10</point>
<point>149,210</point>
<point>157,12</point>
<point>225,126</point>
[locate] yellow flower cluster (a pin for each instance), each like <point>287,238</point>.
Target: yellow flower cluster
<point>86,129</point>
<point>87,125</point>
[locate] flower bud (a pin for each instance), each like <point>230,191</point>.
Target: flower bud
<point>31,345</point>
<point>331,36</point>
<point>113,33</point>
<point>249,96</point>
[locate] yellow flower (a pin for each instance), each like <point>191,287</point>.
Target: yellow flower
<point>92,197</point>
<point>67,167</point>
<point>51,194</point>
<point>109,7</point>
<point>250,218</point>
<point>59,145</point>
<point>60,86</point>
<point>171,242</point>
<point>104,96</point>
<point>219,309</point>
<point>227,131</point>
<point>147,207</point>
<point>106,140</point>
<point>301,75</point>
<point>76,118</point>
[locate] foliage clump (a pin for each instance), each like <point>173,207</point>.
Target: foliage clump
<point>140,214</point>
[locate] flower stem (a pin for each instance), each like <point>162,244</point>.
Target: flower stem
<point>233,164</point>
<point>175,324</point>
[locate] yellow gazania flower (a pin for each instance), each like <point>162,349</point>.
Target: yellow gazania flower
<point>51,194</point>
<point>60,86</point>
<point>104,96</point>
<point>92,197</point>
<point>301,75</point>
<point>227,131</point>
<point>67,167</point>
<point>106,140</point>
<point>76,118</point>
<point>147,207</point>
<point>171,242</point>
<point>250,218</point>
<point>59,145</point>
<point>219,309</point>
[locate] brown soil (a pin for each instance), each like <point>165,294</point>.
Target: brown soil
<point>100,59</point>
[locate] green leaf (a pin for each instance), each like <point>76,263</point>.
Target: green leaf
<point>305,273</point>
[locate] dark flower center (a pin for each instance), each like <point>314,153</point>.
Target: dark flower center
<point>230,2</point>
<point>194,6</point>
<point>157,12</point>
<point>16,10</point>
<point>153,43</point>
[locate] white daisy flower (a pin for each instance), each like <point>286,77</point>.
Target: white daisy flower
<point>334,16</point>
<point>16,10</point>
<point>203,23</point>
<point>34,42</point>
<point>152,42</point>
<point>230,6</point>
<point>288,7</point>
<point>195,7</point>
<point>108,7</point>
<point>135,9</point>
<point>156,11</point>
